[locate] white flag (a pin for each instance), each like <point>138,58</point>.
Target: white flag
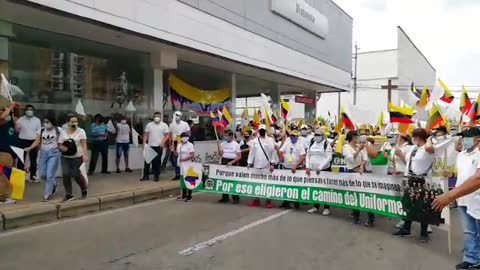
<point>130,107</point>
<point>5,88</point>
<point>135,137</point>
<point>149,154</point>
<point>19,152</point>
<point>79,108</point>
<point>111,127</point>
<point>83,172</point>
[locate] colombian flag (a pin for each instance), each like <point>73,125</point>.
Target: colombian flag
<point>435,118</point>
<point>447,94</point>
<point>274,118</point>
<point>16,180</point>
<point>400,114</point>
<point>256,119</point>
<point>473,113</point>
<point>465,103</point>
<point>215,121</point>
<point>424,98</point>
<point>285,108</point>
<point>346,120</point>
<point>226,117</point>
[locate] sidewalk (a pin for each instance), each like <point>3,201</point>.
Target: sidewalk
<point>104,192</point>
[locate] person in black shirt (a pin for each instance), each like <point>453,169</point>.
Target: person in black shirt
<point>8,137</point>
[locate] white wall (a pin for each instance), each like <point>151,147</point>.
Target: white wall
<point>377,65</point>
<point>179,23</point>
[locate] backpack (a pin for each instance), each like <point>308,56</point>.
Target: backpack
<point>71,147</point>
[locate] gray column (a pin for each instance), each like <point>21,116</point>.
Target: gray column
<point>275,96</point>
<point>233,107</point>
<point>157,100</point>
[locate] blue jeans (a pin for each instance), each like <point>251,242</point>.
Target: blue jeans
<point>471,242</point>
<point>48,166</point>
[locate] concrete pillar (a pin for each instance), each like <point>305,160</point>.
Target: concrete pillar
<point>161,61</point>
<point>275,97</point>
<point>157,95</point>
<point>233,107</point>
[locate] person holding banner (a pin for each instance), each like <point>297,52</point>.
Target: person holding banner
<point>186,153</point>
<point>230,152</point>
<point>156,135</point>
<point>261,157</point>
<point>47,138</point>
<point>356,157</point>
<point>468,165</point>
<point>73,145</point>
<point>419,163</point>
<point>318,158</point>
<point>293,155</point>
<point>9,137</point>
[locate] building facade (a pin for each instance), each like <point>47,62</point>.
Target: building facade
<point>166,55</point>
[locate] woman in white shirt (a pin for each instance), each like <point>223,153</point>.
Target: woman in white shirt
<point>47,138</point>
<point>73,145</point>
<point>398,156</point>
<point>231,155</point>
<point>185,152</point>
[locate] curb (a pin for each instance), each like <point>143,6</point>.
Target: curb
<point>49,212</point>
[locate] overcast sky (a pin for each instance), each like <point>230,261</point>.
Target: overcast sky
<point>447,32</point>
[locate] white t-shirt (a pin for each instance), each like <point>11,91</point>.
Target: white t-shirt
<point>306,140</point>
<point>28,127</point>
<point>184,150</point>
<point>156,133</point>
<point>49,138</point>
<point>353,162</point>
<point>123,133</point>
<point>178,129</point>
<point>77,136</point>
<point>467,164</point>
<point>230,149</point>
<point>399,164</point>
<point>319,155</point>
<point>257,157</point>
<point>421,162</point>
<point>292,153</point>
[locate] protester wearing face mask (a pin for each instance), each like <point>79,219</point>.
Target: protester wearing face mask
<point>73,145</point>
<point>318,159</point>
<point>262,157</point>
<point>27,127</point>
<point>230,152</point>
<point>245,146</point>
<point>293,155</point>
<point>440,135</point>
<point>186,153</point>
<point>177,127</point>
<point>123,143</point>
<point>419,162</point>
<point>305,136</point>
<point>356,157</point>
<point>9,137</point>
<point>48,138</point>
<point>156,134</point>
<point>99,144</point>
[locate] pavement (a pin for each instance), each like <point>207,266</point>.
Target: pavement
<point>105,192</point>
<point>166,234</point>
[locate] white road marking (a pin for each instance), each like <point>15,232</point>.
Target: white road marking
<point>224,236</point>
<point>88,216</point>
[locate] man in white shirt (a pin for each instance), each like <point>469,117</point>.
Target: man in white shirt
<point>305,136</point>
<point>230,152</point>
<point>318,158</point>
<point>467,194</point>
<point>27,127</point>
<point>261,157</point>
<point>293,155</point>
<point>155,135</point>
<point>177,127</point>
<point>123,143</point>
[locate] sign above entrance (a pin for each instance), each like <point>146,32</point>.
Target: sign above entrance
<point>302,14</point>
<point>305,100</point>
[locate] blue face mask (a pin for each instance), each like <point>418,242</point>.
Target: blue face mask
<point>293,139</point>
<point>468,143</point>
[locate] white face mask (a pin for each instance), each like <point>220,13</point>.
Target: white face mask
<point>123,121</point>
<point>29,113</point>
<point>48,125</point>
<point>304,132</point>
<point>184,139</point>
<point>156,119</point>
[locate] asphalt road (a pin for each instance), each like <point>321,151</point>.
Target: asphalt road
<point>206,235</point>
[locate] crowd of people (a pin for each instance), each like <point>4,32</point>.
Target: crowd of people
<point>295,147</point>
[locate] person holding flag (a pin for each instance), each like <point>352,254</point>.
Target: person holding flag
<point>177,128</point>
<point>156,135</point>
<point>9,137</point>
<point>185,153</point>
<point>230,152</point>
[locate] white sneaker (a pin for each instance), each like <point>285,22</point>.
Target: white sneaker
<point>312,211</point>
<point>400,224</point>
<point>326,212</point>
<point>429,229</point>
<point>9,201</point>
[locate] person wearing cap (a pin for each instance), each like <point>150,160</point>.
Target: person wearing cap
<point>440,134</point>
<point>306,136</point>
<point>9,137</point>
<point>262,157</point>
<point>186,153</point>
<point>293,155</point>
<point>230,152</point>
<point>419,163</point>
<point>318,158</point>
<point>99,144</point>
<point>177,127</point>
<point>467,196</point>
<point>123,143</point>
